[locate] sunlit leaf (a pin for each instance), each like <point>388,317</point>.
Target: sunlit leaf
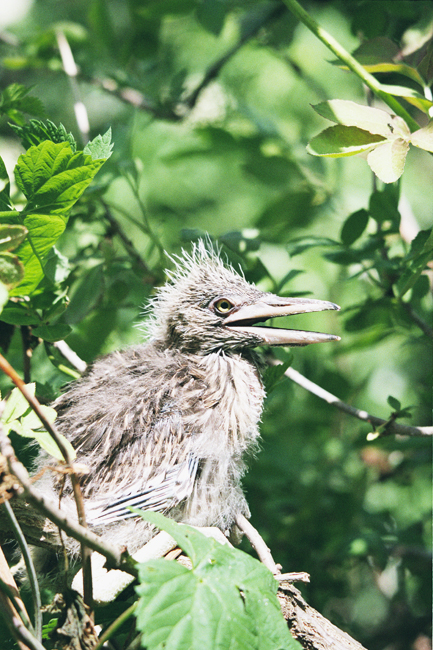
<point>338,141</point>
<point>423,138</point>
<point>373,120</point>
<point>388,159</point>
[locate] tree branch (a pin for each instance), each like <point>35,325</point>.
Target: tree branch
<point>309,627</point>
<point>392,427</point>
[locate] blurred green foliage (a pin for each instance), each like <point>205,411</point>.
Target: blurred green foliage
<point>209,105</point>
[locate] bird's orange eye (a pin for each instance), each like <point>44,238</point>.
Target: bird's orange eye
<point>223,306</point>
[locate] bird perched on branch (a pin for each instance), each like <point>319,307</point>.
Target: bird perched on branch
<point>167,425</point>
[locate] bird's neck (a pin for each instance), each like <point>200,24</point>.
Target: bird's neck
<point>233,399</point>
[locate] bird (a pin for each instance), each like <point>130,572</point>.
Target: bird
<point>168,425</point>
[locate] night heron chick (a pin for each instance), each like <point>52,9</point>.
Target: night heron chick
<point>167,425</point>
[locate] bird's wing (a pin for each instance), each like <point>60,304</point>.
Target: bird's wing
<point>162,492</point>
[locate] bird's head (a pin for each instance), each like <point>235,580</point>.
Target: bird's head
<point>206,306</point>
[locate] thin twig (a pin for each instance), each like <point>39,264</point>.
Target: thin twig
<point>27,352</point>
<point>257,542</point>
<point>111,629</point>
<point>129,246</point>
<point>70,356</point>
<point>71,70</point>
<point>31,573</point>
<point>424,327</point>
<point>118,558</point>
<point>10,600</point>
<point>24,635</point>
<point>294,576</point>
<point>267,16</point>
<point>393,427</point>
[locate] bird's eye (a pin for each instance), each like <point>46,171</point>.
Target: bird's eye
<point>223,306</point>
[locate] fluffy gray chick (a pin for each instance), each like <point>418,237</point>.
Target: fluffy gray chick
<point>167,425</point>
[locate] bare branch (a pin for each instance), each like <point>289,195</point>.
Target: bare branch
<point>71,356</point>
<point>392,427</point>
<point>71,70</point>
<point>309,627</point>
<point>257,542</point>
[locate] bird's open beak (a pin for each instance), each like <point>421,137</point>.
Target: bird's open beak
<point>273,306</point>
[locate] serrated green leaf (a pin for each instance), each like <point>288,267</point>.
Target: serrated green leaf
<point>36,132</point>
<point>100,147</point>
<point>52,177</point>
<point>44,231</point>
<point>227,600</point>
<point>339,141</point>
<point>423,138</point>
<point>387,160</point>
<point>354,226</point>
<point>366,118</point>
<point>11,237</point>
<point>394,403</point>
<point>11,270</point>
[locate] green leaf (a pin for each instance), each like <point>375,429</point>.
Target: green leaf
<point>11,270</point>
<point>354,226</point>
<point>100,147</point>
<point>44,231</point>
<point>227,600</point>
<point>52,333</point>
<point>423,138</point>
<point>53,178</point>
<point>18,416</point>
<point>273,374</point>
<point>19,315</point>
<point>17,404</point>
<point>11,237</point>
<point>14,101</point>
<point>388,159</point>
<point>5,187</point>
<point>373,120</point>
<point>36,132</point>
<point>423,245</point>
<point>394,403</point>
<point>382,207</point>
<point>338,141</point>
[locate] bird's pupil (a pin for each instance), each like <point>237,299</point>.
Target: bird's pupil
<point>223,305</point>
